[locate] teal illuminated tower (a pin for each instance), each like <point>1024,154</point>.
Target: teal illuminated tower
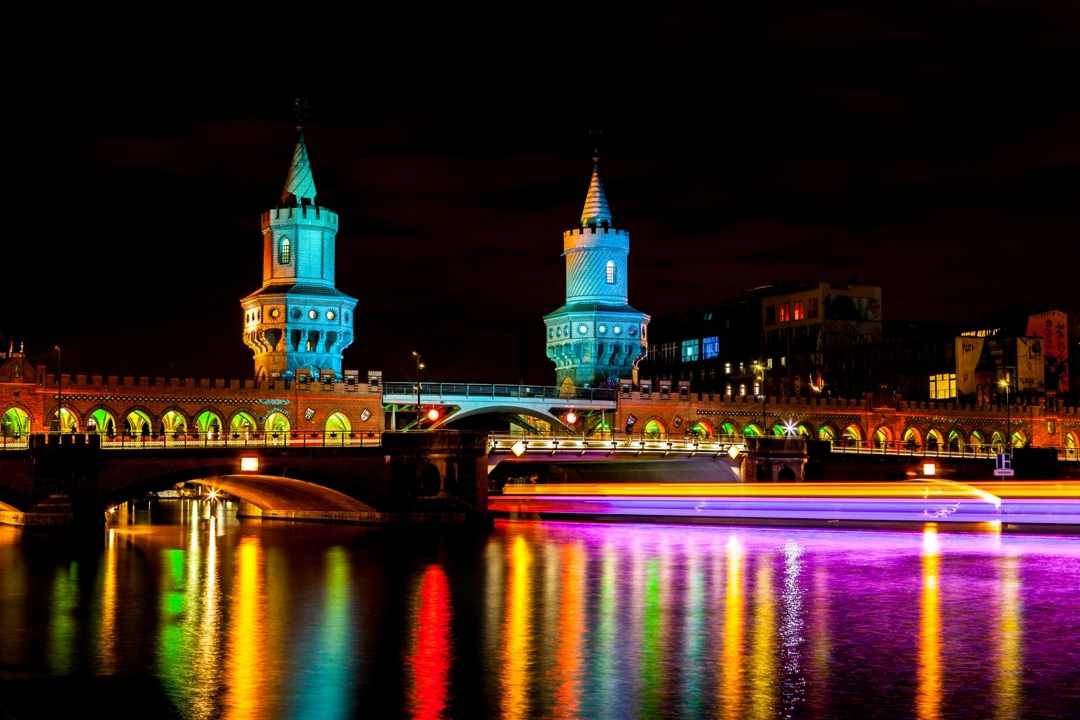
<point>298,320</point>
<point>596,338</point>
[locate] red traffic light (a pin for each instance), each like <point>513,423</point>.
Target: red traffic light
<point>571,417</point>
<point>433,414</point>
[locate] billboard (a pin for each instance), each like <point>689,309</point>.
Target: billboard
<point>1051,328</point>
<point>968,352</point>
<point>849,321</point>
<point>1029,364</point>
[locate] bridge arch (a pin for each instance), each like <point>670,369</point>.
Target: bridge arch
<point>1019,438</point>
<point>703,430</point>
<point>338,422</point>
<point>1071,443</point>
<point>208,421</point>
<point>729,428</point>
<point>828,432</point>
<point>883,437</point>
<point>752,430</point>
<point>997,440</point>
<point>102,419</point>
<point>912,438</point>
<point>70,419</point>
<point>174,421</point>
<point>507,409</point>
<point>853,435</point>
<point>16,421</point>
<point>243,422</point>
<point>806,429</point>
<point>138,420</point>
<point>956,439</point>
<point>277,422</point>
<point>935,440</point>
<point>654,428</point>
<point>976,440</point>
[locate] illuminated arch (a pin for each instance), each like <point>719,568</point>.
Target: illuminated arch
<point>101,420</point>
<point>827,432</point>
<point>173,422</point>
<point>934,439</point>
<point>997,440</point>
<point>976,441</point>
<point>15,422</point>
<point>752,430</point>
<point>805,430</point>
<point>69,420</point>
<point>208,422</point>
<point>1019,439</point>
<point>1072,445</point>
<point>956,440</point>
<point>338,422</point>
<point>137,422</point>
<point>277,422</point>
<point>655,429</point>
<point>778,430</point>
<point>729,429</point>
<point>853,435</point>
<point>703,431</point>
<point>883,437</point>
<point>243,423</point>
<point>912,438</point>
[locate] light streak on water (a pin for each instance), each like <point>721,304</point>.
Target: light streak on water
<point>791,630</point>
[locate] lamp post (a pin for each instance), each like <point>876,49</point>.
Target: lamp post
<point>1008,427</point>
<point>764,398</point>
<point>419,367</point>
<point>59,395</point>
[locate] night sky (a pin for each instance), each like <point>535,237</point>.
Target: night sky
<point>935,154</point>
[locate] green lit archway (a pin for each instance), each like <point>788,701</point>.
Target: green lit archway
<point>101,421</point>
<point>208,423</point>
<point>243,424</point>
<point>137,422</point>
<point>338,423</point>
<point>15,423</point>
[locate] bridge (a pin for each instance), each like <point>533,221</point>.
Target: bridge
<point>514,403</point>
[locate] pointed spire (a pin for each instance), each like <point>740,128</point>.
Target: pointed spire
<point>300,184</point>
<point>596,212</point>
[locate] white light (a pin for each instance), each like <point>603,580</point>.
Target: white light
<point>518,448</point>
<point>249,464</point>
<point>929,469</point>
<point>733,452</point>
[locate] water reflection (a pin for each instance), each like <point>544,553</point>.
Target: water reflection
<point>548,619</point>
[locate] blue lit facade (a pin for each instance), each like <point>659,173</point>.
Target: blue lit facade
<point>298,320</point>
<point>596,337</point>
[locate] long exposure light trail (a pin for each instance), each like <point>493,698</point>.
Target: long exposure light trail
<point>909,501</point>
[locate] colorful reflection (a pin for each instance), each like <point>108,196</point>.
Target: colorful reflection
<point>517,654</point>
<point>245,661</point>
<point>430,652</point>
<point>1008,688</point>
<point>731,678</point>
<point>928,698</point>
<point>566,676</point>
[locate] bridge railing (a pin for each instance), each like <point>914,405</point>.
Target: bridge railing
<point>123,441</point>
<point>491,391</point>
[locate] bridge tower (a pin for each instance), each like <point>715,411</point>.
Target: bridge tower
<point>596,338</point>
<point>298,320</point>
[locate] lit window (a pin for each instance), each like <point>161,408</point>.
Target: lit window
<point>798,310</point>
<point>712,373</point>
<point>610,272</point>
<point>728,390</point>
<point>742,389</point>
<point>811,308</point>
<point>783,361</point>
<point>768,363</point>
<point>757,388</point>
<point>710,347</point>
<point>943,387</point>
<point>727,370</point>
<point>690,351</point>
<point>785,312</point>
<point>284,252</point>
<point>742,368</point>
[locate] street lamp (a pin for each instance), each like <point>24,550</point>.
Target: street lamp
<point>419,367</point>
<point>59,395</point>
<point>764,397</point>
<point>1008,428</point>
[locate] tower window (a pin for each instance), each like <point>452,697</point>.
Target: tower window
<point>610,272</point>
<point>284,252</point>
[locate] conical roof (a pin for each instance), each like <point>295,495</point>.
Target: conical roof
<point>300,185</point>
<point>596,212</point>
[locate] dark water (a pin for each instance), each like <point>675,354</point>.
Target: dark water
<point>212,617</point>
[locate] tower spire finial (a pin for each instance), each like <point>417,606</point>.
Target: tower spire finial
<point>596,212</point>
<point>300,184</point>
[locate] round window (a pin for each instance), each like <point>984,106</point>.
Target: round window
<point>551,333</point>
<point>584,329</point>
<point>602,328</point>
<point>330,315</point>
<point>616,330</point>
<point>274,312</point>
<point>632,332</point>
<point>296,312</point>
<point>314,314</point>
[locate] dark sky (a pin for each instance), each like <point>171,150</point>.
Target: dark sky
<point>935,151</point>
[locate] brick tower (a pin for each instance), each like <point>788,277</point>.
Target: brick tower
<point>298,320</point>
<point>596,338</point>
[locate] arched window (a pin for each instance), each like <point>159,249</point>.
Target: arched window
<point>284,252</point>
<point>610,272</point>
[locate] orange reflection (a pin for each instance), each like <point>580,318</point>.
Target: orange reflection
<point>517,632</point>
<point>731,685</point>
<point>571,633</point>
<point>107,629</point>
<point>245,660</point>
<point>763,680</point>
<point>1008,687</point>
<point>430,656</point>
<point>928,697</point>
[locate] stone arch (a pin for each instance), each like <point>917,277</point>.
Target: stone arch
<point>204,419</point>
<point>828,432</point>
<point>243,422</point>
<point>702,430</point>
<point>71,419</point>
<point>174,421</point>
<point>955,440</point>
<point>997,441</point>
<point>277,421</point>
<point>338,422</point>
<point>935,439</point>
<point>883,437</point>
<point>976,440</point>
<point>778,430</point>
<point>1071,443</point>
<point>752,429</point>
<point>654,429</point>
<point>853,435</point>
<point>1019,438</point>
<point>102,419</point>
<point>729,428</point>
<point>16,421</point>
<point>806,429</point>
<point>912,438</point>
<point>138,421</point>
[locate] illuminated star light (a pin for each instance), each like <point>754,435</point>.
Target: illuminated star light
<point>790,428</point>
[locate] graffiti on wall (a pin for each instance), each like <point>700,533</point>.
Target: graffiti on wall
<point>1051,328</point>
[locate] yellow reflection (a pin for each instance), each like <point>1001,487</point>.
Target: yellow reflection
<point>763,680</point>
<point>928,698</point>
<point>207,660</point>
<point>1008,687</point>
<point>571,633</point>
<point>244,663</point>
<point>107,628</point>
<point>13,596</point>
<point>731,684</point>
<point>517,632</point>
